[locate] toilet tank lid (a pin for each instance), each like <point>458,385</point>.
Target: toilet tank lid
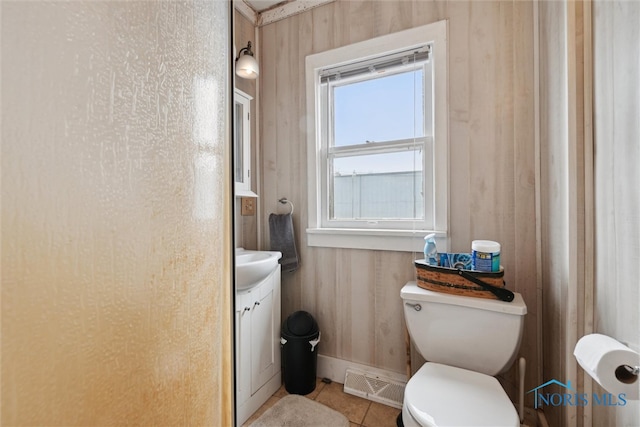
<point>411,291</point>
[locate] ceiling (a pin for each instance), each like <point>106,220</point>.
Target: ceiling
<point>262,5</point>
<point>263,12</point>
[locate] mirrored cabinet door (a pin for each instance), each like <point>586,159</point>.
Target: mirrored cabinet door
<point>242,142</point>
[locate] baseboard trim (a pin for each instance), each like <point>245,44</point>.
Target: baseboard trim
<point>336,369</point>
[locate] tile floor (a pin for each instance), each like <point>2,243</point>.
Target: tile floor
<point>359,411</point>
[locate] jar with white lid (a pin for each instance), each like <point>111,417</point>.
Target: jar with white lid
<point>485,255</point>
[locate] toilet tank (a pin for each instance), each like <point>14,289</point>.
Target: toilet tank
<point>479,334</point>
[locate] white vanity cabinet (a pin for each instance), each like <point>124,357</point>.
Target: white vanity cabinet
<point>257,315</point>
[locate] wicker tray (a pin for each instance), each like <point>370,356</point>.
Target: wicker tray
<point>459,282</point>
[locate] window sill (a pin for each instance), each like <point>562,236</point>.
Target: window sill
<point>383,240</point>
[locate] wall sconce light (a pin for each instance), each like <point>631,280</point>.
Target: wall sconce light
<point>246,64</point>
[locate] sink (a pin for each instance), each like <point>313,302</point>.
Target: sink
<point>254,266</point>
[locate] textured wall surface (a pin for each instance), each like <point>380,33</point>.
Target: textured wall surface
<point>115,214</point>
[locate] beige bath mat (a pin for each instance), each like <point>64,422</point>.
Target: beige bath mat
<point>296,411</point>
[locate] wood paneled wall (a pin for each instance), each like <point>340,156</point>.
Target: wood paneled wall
<point>554,183</point>
<point>616,38</point>
<point>589,109</point>
<point>354,294</point>
<point>246,226</point>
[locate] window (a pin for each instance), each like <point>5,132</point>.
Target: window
<point>376,136</point>
<point>378,142</point>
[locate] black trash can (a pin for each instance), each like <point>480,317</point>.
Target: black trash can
<point>299,343</point>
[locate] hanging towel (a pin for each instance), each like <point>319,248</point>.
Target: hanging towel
<point>283,240</point>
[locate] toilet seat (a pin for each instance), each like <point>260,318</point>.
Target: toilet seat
<point>441,395</point>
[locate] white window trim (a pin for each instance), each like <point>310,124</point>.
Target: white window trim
<point>398,240</point>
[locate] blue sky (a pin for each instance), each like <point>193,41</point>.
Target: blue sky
<point>377,110</point>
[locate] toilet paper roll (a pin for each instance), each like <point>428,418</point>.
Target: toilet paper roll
<point>610,363</point>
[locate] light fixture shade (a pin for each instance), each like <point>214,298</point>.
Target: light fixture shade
<point>247,67</point>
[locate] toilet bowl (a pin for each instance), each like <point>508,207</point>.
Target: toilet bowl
<point>466,341</point>
<point>441,395</point>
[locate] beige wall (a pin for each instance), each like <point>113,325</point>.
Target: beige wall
<point>115,214</point>
<point>354,294</point>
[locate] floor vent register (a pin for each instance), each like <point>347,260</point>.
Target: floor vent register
<point>373,387</point>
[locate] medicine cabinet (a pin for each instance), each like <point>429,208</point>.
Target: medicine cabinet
<point>242,144</point>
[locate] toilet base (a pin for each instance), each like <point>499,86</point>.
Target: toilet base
<point>406,418</point>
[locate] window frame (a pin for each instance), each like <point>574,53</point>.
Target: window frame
<point>409,236</point>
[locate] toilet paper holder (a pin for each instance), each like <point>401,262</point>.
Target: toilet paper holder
<point>627,374</point>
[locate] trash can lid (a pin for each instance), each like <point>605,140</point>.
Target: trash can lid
<point>301,323</point>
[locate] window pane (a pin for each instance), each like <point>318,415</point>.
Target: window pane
<point>380,109</point>
<point>378,186</point>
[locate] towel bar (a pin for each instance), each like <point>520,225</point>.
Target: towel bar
<point>284,201</point>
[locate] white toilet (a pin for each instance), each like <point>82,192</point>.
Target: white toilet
<point>466,341</point>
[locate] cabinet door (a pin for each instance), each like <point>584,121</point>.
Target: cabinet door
<point>263,339</point>
<point>243,347</point>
